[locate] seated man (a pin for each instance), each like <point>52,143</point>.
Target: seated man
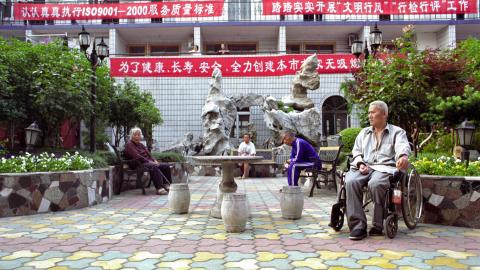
<point>301,157</point>
<point>135,150</point>
<point>246,148</point>
<point>378,152</point>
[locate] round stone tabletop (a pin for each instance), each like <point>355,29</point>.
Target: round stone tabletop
<point>220,159</point>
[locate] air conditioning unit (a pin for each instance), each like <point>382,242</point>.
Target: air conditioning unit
<point>351,38</point>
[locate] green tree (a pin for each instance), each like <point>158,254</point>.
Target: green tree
<point>131,107</point>
<point>397,79</point>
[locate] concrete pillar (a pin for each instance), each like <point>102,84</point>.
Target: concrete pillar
<point>282,40</point>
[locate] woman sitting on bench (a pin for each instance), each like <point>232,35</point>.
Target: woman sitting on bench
<point>160,173</point>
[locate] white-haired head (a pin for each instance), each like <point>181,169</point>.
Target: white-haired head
<point>135,130</point>
<point>380,105</point>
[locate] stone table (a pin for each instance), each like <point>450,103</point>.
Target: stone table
<point>227,184</point>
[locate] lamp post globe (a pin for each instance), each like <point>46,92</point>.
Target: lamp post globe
<point>375,38</point>
<point>102,50</point>
<point>465,138</point>
<point>84,39</point>
<point>357,48</point>
<point>31,135</point>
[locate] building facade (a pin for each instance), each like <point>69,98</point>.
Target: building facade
<point>241,28</point>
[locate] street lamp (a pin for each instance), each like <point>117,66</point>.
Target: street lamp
<point>31,135</point>
<point>374,39</point>
<point>84,41</point>
<point>465,137</point>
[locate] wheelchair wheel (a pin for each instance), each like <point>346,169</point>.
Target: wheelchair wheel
<point>390,226</point>
<point>412,197</point>
<point>337,216</point>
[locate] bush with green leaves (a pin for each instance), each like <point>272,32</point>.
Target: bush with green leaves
<point>168,156</point>
<point>348,138</point>
<point>440,143</point>
<point>446,166</point>
<point>45,163</point>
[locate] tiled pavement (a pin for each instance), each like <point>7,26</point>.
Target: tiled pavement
<point>135,231</point>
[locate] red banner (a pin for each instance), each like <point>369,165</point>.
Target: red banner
<point>249,66</point>
<point>117,11</point>
<point>368,7</point>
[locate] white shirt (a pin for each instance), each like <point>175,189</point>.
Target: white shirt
<point>246,149</point>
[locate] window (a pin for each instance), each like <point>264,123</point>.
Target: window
<point>384,17</point>
<point>164,49</point>
<point>319,48</point>
<point>109,21</point>
<point>136,50</point>
<point>293,48</point>
<point>242,48</point>
<point>156,20</point>
<point>312,17</point>
<point>231,48</point>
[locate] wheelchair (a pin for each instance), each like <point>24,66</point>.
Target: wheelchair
<point>411,205</point>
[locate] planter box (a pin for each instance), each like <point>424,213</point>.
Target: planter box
<point>451,200</point>
<point>40,192</point>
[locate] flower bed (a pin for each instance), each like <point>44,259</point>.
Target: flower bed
<point>36,184</point>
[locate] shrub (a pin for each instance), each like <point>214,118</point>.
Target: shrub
<point>348,138</point>
<point>440,143</point>
<point>101,159</point>
<point>447,166</point>
<point>45,162</point>
<point>168,156</point>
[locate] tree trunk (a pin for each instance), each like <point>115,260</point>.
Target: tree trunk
<point>12,135</point>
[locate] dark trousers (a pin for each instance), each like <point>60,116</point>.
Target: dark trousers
<point>160,174</point>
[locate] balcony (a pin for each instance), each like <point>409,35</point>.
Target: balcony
<point>235,12</point>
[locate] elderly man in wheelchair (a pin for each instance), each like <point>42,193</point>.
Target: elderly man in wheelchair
<point>379,161</point>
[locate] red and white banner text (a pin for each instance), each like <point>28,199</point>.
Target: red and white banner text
<point>248,66</point>
<point>24,11</point>
<point>368,7</point>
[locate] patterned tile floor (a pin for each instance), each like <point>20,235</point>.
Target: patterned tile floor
<point>138,232</point>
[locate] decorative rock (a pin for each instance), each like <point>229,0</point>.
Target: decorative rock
<point>305,79</point>
<point>426,193</point>
<point>435,199</point>
<point>462,202</point>
<point>234,212</point>
<point>449,215</point>
<point>15,200</point>
<point>291,202</point>
<point>218,115</point>
<point>475,196</point>
<point>5,192</point>
<point>305,123</point>
<point>54,194</point>
<point>248,100</point>
<point>179,198</point>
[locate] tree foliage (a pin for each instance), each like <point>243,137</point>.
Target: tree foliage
<point>50,83</point>
<point>132,107</point>
<point>422,88</point>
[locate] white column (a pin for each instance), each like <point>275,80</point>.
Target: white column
<point>197,39</point>
<point>452,36</point>
<point>364,36</point>
<point>282,39</point>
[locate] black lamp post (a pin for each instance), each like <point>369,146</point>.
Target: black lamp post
<point>31,135</point>
<point>375,40</point>
<point>84,41</point>
<point>465,137</point>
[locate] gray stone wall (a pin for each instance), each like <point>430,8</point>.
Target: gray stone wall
<point>31,193</point>
<point>451,201</point>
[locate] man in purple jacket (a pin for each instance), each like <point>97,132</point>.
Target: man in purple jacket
<point>301,157</point>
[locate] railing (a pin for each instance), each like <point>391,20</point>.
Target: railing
<point>233,11</point>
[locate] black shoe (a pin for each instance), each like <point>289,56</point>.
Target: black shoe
<point>358,234</point>
<point>375,232</point>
